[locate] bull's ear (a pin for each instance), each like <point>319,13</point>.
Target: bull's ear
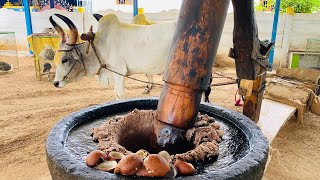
<point>97,16</point>
<point>89,36</point>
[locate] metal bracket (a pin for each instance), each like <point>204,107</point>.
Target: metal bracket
<point>261,60</point>
<point>262,56</point>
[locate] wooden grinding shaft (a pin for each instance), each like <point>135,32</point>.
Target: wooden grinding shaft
<point>245,39</point>
<point>190,60</point>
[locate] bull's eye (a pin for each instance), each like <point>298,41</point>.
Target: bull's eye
<point>64,61</point>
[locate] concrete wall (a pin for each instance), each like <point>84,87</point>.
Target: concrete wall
<point>292,34</point>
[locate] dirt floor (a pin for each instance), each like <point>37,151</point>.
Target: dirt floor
<point>30,108</point>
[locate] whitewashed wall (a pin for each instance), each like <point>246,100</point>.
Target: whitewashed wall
<point>292,34</point>
<point>15,22</point>
<point>304,26</point>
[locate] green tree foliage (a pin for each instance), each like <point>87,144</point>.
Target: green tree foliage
<point>299,6</point>
<point>263,7</point>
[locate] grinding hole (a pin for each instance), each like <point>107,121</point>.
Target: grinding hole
<point>136,131</point>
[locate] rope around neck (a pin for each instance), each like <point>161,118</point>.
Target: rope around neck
<point>104,66</point>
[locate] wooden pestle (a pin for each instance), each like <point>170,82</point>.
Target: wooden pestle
<point>189,66</point>
<point>190,60</point>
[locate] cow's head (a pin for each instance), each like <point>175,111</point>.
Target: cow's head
<point>68,59</point>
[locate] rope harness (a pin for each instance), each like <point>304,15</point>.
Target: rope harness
<point>104,66</point>
<point>74,47</point>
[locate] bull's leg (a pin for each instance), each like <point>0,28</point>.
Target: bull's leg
<point>104,78</point>
<point>151,81</point>
<point>119,86</point>
<point>148,88</point>
<point>206,94</point>
<point>203,97</point>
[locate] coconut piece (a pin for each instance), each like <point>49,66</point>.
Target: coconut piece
<point>166,156</point>
<point>156,166</point>
<point>142,153</point>
<point>115,156</point>
<point>107,166</point>
<point>95,157</point>
<point>142,172</point>
<point>129,165</point>
<point>184,168</point>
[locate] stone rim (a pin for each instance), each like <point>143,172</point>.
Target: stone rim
<point>62,165</point>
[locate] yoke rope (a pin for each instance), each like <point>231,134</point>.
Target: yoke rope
<point>104,66</point>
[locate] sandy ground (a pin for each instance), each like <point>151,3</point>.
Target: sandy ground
<point>30,108</point>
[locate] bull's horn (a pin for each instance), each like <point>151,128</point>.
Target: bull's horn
<point>72,27</point>
<point>58,28</point>
<point>97,16</point>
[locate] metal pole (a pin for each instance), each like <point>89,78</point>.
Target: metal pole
<point>135,8</point>
<point>27,14</point>
<point>51,4</point>
<point>274,30</point>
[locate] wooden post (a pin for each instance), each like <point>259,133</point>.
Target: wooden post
<point>190,60</point>
<point>252,103</point>
<point>245,39</point>
<point>246,52</point>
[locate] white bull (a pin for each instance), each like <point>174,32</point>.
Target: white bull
<point>125,48</point>
<point>141,19</point>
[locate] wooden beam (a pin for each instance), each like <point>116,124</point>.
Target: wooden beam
<point>245,39</point>
<point>250,55</point>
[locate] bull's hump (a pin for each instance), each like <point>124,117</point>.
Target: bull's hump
<point>109,19</point>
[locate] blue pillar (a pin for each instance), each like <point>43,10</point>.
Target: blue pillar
<point>51,4</point>
<point>27,14</point>
<point>135,7</point>
<point>274,30</point>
